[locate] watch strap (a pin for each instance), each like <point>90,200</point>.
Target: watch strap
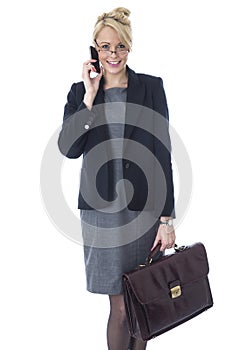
<point>168,222</point>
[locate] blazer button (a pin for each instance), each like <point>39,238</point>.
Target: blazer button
<point>127,165</point>
<point>88,123</point>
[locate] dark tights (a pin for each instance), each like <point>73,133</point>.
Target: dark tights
<point>117,331</point>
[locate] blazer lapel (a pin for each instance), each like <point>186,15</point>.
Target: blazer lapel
<point>99,99</point>
<point>135,100</point>
<point>136,91</point>
<point>99,104</point>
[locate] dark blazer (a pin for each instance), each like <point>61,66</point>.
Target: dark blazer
<point>82,130</point>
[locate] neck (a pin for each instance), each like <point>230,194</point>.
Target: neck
<point>118,80</point>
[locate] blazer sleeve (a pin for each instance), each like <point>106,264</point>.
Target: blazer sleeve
<point>77,122</point>
<point>163,149</point>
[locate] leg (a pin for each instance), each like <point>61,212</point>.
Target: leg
<point>117,331</point>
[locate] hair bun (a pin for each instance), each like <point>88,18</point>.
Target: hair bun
<point>119,14</point>
<point>121,11</point>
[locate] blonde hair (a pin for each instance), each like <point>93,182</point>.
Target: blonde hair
<point>118,20</point>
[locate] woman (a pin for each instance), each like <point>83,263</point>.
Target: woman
<point>96,113</point>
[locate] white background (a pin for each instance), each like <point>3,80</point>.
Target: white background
<point>44,304</point>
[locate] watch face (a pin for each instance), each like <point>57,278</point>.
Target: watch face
<point>170,222</point>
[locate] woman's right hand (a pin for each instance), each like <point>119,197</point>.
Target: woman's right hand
<point>91,84</point>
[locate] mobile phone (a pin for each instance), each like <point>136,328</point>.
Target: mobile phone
<point>94,55</point>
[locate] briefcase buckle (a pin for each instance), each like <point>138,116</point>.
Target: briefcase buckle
<point>176,292</point>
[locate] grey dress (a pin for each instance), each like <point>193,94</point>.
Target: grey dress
<point>105,266</point>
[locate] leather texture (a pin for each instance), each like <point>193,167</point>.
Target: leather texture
<point>151,292</point>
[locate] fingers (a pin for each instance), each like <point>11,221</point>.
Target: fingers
<point>89,61</point>
<point>91,83</point>
<point>88,66</point>
<point>167,239</point>
<point>166,236</point>
<point>157,240</point>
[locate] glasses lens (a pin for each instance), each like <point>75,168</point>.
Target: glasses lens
<point>121,52</point>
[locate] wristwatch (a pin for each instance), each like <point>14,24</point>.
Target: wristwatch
<point>167,222</point>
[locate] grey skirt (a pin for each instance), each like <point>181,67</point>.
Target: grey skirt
<point>108,254</point>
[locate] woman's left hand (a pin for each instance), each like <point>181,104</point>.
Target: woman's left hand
<point>166,236</point>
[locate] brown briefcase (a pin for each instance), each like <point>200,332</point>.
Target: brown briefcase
<point>164,293</point>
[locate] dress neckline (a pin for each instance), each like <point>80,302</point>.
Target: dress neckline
<point>115,88</point>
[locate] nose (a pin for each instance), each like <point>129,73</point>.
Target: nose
<point>113,52</point>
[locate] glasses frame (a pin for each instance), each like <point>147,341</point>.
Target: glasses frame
<point>110,52</point>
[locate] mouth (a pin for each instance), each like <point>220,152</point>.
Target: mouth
<point>114,63</point>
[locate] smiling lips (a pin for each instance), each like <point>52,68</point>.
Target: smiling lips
<point>114,63</point>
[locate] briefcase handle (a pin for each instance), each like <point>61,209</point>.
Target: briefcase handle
<point>155,254</point>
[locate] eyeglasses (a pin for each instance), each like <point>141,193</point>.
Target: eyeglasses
<point>119,50</point>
